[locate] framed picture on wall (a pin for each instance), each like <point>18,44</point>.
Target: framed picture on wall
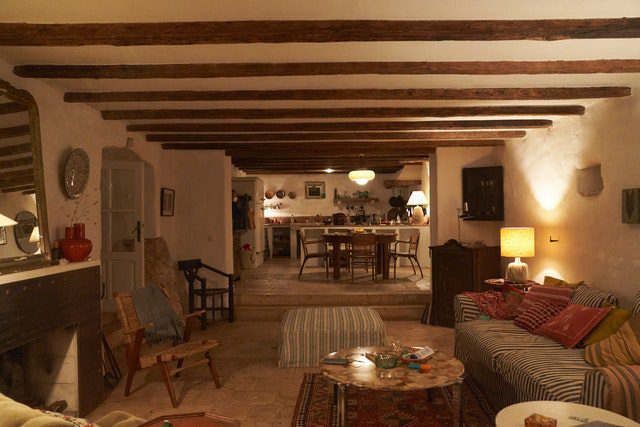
<point>3,235</point>
<point>167,201</point>
<point>314,190</point>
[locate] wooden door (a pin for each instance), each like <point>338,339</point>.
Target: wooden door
<point>122,207</point>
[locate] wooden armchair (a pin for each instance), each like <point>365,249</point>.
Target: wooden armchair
<point>140,356</point>
<point>411,254</point>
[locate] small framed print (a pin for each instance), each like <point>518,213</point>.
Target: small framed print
<point>3,235</point>
<point>314,190</point>
<point>167,201</point>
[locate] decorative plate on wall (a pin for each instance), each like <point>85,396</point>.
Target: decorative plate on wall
<point>292,194</point>
<point>280,194</point>
<point>269,194</point>
<point>76,173</point>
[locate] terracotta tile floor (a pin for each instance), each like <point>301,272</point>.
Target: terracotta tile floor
<point>254,389</point>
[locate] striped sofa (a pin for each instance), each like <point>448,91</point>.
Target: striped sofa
<point>513,365</point>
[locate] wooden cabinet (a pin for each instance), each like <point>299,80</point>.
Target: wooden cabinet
<point>482,194</point>
<point>456,269</point>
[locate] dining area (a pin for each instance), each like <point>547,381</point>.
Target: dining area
<point>365,254</point>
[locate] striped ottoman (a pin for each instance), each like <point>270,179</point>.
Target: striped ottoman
<point>306,334</point>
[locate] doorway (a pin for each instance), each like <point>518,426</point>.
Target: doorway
<point>122,212</point>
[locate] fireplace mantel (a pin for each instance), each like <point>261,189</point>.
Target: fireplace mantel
<point>46,271</point>
<point>35,303</point>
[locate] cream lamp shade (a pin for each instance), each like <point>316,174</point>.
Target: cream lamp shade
<point>361,176</point>
<point>517,242</point>
<point>35,235</point>
<point>6,221</point>
<point>417,199</point>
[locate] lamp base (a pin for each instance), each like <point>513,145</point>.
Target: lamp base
<point>517,271</point>
<point>417,217</point>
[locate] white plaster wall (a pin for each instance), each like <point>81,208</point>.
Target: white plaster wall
<point>450,162</point>
<point>201,227</point>
<point>540,191</point>
<point>310,207</point>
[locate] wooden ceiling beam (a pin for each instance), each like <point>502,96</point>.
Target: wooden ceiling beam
<point>381,112</point>
<point>13,150</point>
<point>308,31</point>
<point>14,131</point>
<point>21,173</point>
<point>313,171</point>
<point>331,94</point>
<point>262,69</point>
<point>17,189</point>
<point>16,163</point>
<point>342,126</point>
<point>11,108</point>
<point>337,136</point>
<point>15,182</point>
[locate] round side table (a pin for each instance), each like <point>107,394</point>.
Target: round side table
<point>497,284</point>
<point>567,414</point>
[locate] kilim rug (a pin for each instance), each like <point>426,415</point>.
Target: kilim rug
<point>372,408</point>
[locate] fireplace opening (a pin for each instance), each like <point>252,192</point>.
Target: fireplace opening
<point>43,373</point>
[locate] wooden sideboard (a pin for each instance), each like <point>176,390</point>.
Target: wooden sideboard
<point>455,269</point>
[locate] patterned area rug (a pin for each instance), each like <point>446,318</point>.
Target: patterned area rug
<point>315,407</point>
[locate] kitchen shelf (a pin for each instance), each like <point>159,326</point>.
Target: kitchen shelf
<point>356,200</point>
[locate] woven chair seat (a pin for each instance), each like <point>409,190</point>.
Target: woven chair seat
<point>168,353</point>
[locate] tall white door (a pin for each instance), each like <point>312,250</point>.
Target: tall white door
<point>122,253</point>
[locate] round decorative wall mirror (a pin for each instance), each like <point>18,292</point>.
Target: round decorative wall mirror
<point>27,222</point>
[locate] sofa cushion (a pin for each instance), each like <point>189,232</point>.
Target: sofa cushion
<point>609,326</point>
<point>621,348</point>
<point>636,304</point>
<point>573,323</point>
<point>538,314</point>
<point>590,297</point>
<point>552,281</point>
<point>489,340</point>
<point>540,292</point>
<point>551,374</point>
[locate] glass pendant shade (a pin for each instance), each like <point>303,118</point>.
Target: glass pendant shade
<point>362,176</point>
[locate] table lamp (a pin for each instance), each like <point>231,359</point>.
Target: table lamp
<point>517,242</point>
<point>417,199</point>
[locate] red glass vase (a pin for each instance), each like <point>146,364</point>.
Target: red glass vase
<point>75,247</point>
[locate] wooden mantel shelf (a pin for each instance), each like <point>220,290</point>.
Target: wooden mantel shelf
<point>401,183</point>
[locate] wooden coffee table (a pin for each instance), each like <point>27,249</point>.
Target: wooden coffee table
<point>361,372</point>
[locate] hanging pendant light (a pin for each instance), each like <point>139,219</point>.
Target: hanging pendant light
<point>361,176</point>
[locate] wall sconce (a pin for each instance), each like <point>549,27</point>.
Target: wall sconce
<point>590,181</point>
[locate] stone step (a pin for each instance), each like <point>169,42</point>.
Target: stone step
<point>270,300</point>
<point>275,313</point>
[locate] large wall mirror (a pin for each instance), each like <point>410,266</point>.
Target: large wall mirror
<point>22,197</point>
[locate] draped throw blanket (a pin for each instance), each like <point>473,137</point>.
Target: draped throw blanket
<point>624,390</point>
<point>152,306</point>
<point>497,305</point>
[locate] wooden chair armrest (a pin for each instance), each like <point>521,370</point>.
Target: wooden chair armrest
<point>194,314</point>
<point>141,328</point>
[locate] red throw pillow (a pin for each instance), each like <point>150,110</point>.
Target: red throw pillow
<point>573,323</point>
<point>539,292</point>
<point>538,314</point>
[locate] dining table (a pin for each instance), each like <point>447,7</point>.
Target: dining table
<point>383,243</point>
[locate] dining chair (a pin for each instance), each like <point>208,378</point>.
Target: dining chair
<point>307,255</point>
<point>411,254</point>
<point>362,252</point>
<point>140,355</point>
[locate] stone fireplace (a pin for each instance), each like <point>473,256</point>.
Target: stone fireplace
<point>50,346</point>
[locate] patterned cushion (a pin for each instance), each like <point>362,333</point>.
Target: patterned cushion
<point>590,297</point>
<point>573,324</point>
<point>540,292</point>
<point>538,314</point>
<point>636,304</point>
<point>621,348</point>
